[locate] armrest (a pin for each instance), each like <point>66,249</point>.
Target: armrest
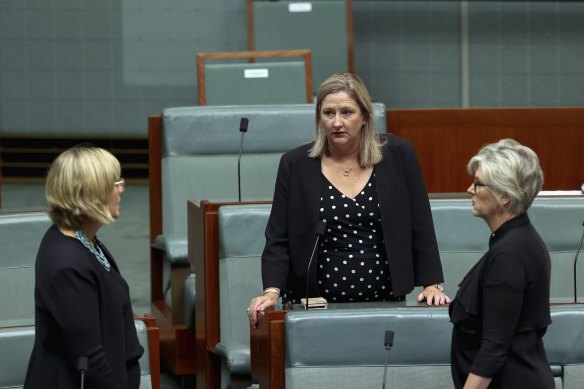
<point>175,248</point>
<point>236,354</point>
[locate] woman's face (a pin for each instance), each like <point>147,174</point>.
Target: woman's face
<point>341,119</point>
<point>484,203</point>
<point>115,198</point>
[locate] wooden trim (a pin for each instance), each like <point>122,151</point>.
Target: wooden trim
<point>203,241</point>
<point>446,139</point>
<point>250,26</point>
<point>350,44</point>
<point>153,348</point>
<point>251,56</point>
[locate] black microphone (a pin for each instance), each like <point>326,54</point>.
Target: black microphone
<point>575,263</point>
<point>319,232</point>
<point>388,343</point>
<point>82,367</point>
<point>243,129</point>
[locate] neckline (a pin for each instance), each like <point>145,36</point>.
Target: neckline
<point>358,193</point>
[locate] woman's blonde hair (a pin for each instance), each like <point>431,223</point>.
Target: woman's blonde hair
<point>371,145</point>
<point>79,186</point>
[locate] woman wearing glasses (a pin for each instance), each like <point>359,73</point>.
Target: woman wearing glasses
<point>82,303</point>
<point>501,310</point>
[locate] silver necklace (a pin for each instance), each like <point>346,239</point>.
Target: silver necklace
<point>80,235</point>
<point>346,172</point>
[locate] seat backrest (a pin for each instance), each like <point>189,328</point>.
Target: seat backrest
<point>144,361</point>
<point>201,146</point>
<point>463,239</point>
<point>564,345</point>
<point>16,344</point>
<point>324,27</point>
<point>15,347</point>
<point>559,222</point>
<point>21,233</point>
<point>345,348</point>
<point>241,242</point>
<point>282,77</point>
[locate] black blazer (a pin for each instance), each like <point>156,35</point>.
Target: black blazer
<point>81,310</point>
<point>408,229</point>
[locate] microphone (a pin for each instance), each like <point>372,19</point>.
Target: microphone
<point>243,129</point>
<point>319,232</point>
<point>575,263</point>
<point>82,367</point>
<point>388,343</point>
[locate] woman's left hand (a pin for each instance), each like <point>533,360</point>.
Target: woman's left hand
<point>433,296</point>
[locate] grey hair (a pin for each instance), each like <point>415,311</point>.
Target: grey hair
<point>371,145</point>
<point>509,167</point>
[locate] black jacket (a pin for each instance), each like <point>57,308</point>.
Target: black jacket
<point>408,229</point>
<point>81,310</point>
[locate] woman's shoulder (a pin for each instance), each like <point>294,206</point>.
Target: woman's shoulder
<point>392,141</point>
<point>297,155</point>
<point>59,252</point>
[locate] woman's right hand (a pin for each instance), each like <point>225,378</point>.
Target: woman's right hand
<point>258,305</point>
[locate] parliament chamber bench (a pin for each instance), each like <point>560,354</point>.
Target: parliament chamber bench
<point>238,236</point>
<point>345,347</point>
<point>194,154</point>
<point>21,232</point>
<point>17,340</point>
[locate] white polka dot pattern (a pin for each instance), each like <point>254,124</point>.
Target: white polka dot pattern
<point>351,258</point>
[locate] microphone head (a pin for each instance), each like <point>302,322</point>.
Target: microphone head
<point>82,364</point>
<point>320,228</point>
<point>388,338</point>
<point>243,124</point>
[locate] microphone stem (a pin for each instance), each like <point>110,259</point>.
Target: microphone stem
<point>575,275</point>
<point>385,368</point>
<point>239,168</point>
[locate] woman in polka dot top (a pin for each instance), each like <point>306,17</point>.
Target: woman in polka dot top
<point>379,241</point>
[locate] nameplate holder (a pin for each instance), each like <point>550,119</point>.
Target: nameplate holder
<point>315,303</point>
<point>256,73</point>
<point>300,7</point>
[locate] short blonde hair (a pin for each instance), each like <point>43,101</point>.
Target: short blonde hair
<point>371,145</point>
<point>79,186</point>
<point>509,167</point>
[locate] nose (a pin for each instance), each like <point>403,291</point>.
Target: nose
<point>470,189</point>
<point>337,120</point>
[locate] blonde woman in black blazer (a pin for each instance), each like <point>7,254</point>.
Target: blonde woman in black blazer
<point>82,303</point>
<point>379,241</point>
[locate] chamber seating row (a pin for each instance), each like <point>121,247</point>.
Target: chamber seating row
<point>462,239</point>
<point>21,232</point>
<point>344,347</point>
<point>17,340</point>
<point>194,155</point>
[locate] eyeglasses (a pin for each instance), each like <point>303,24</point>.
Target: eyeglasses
<point>477,184</point>
<point>120,184</point>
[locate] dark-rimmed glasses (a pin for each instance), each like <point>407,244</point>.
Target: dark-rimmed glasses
<point>476,184</point>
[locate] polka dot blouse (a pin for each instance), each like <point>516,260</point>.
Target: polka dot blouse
<point>352,264</point>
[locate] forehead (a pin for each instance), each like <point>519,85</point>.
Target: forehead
<point>339,99</point>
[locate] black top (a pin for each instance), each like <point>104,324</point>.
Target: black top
<point>352,265</point>
<point>502,310</point>
<point>81,310</point>
<point>407,227</point>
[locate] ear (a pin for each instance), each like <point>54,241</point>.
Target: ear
<point>505,199</point>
